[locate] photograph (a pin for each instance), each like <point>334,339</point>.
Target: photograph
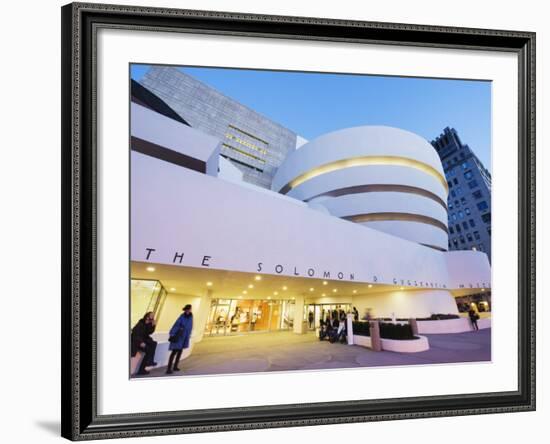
<point>297,221</point>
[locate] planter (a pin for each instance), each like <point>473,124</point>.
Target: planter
<point>406,346</point>
<point>394,345</point>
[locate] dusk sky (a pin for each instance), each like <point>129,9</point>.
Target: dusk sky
<point>313,104</point>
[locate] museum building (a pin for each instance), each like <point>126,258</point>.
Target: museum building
<point>354,218</point>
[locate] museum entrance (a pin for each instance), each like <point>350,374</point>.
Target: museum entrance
<point>239,316</point>
<point>318,312</point>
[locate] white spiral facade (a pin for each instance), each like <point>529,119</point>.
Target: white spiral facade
<point>385,178</point>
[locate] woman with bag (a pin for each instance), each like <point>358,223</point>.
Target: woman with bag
<point>180,334</point>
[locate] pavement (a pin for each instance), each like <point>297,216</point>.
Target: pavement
<point>284,351</point>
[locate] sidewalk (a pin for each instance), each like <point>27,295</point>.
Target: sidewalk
<point>283,351</point>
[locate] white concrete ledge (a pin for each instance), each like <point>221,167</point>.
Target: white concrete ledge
<point>394,345</point>
<point>406,346</point>
<point>161,354</point>
<point>460,325</point>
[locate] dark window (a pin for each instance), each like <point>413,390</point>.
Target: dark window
<point>450,184</point>
<point>489,230</point>
<point>465,225</point>
<point>462,155</point>
<point>482,206</point>
<point>455,181</point>
<point>450,206</point>
<point>455,243</point>
<point>472,184</point>
<point>462,240</point>
<point>451,231</point>
<point>480,247</point>
<point>463,200</point>
<point>453,216</point>
<point>472,223</point>
<point>476,235</point>
<point>470,238</point>
<point>457,203</point>
<point>468,175</point>
<point>453,193</point>
<point>458,229</point>
<point>458,190</point>
<point>477,194</point>
<point>486,218</point>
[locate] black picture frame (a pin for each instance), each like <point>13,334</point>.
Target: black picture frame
<point>80,22</point>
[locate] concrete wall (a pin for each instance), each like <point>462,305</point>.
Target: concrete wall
<point>414,192</point>
<point>240,228</point>
<point>172,308</point>
<point>404,304</point>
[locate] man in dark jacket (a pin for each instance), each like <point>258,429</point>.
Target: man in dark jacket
<point>142,341</point>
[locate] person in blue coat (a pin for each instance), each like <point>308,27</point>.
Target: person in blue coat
<point>180,334</point>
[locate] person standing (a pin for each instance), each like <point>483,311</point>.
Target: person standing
<point>180,334</point>
<point>473,318</point>
<point>142,341</point>
<point>310,318</point>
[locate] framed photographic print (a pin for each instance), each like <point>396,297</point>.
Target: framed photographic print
<point>279,221</point>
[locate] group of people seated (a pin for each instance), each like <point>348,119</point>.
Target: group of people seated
<point>333,327</point>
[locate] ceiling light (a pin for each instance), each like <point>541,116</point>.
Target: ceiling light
<point>334,290</point>
<point>150,268</point>
<point>354,291</point>
<point>172,289</point>
<point>401,288</point>
<point>245,292</point>
<point>209,284</point>
<point>275,293</point>
<point>483,289</point>
<point>324,294</point>
<point>311,289</point>
<point>285,287</point>
<point>251,286</point>
<point>370,285</point>
<point>269,297</point>
<point>258,278</point>
<point>240,297</point>
<point>325,282</point>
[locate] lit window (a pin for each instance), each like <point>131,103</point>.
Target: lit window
<point>477,194</point>
<point>481,206</point>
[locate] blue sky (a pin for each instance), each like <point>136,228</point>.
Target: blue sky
<point>312,104</point>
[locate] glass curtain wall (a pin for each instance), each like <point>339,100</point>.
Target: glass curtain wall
<point>234,316</point>
<point>145,296</point>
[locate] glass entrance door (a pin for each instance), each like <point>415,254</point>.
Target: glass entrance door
<point>236,316</point>
<point>319,312</point>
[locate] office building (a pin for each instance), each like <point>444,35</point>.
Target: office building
<point>253,143</point>
<point>469,201</point>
